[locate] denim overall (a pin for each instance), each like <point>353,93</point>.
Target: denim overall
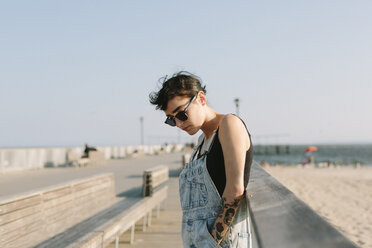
<point>200,201</point>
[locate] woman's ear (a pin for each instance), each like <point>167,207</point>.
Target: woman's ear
<point>202,98</point>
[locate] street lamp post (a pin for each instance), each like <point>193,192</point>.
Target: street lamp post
<point>142,138</point>
<point>237,106</point>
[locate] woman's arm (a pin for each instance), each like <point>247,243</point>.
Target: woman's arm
<point>235,142</point>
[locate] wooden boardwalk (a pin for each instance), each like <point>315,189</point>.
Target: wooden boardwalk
<point>165,231</point>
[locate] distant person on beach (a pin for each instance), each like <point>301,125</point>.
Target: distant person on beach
<point>87,150</point>
<point>213,183</point>
<point>264,164</point>
<point>308,158</point>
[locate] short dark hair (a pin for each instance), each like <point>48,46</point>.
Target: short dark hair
<point>181,83</point>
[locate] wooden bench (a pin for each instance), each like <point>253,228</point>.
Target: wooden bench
<point>95,158</point>
<point>152,178</point>
<point>106,226</point>
<point>111,224</point>
<point>279,219</point>
<point>154,192</point>
<point>28,219</point>
<point>74,159</point>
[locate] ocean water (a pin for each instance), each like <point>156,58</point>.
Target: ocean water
<point>294,154</point>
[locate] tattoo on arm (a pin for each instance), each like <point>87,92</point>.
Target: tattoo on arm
<point>225,216</point>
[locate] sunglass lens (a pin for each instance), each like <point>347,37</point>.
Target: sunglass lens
<point>182,116</point>
<point>171,122</point>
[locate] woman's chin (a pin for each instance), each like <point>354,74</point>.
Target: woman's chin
<point>191,131</point>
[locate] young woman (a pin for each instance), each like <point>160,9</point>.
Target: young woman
<point>212,185</point>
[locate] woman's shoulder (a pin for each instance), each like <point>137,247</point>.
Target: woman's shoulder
<point>233,128</point>
<point>231,121</point>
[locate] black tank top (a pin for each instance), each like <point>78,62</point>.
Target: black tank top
<point>216,163</point>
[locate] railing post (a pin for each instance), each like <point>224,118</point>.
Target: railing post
<point>144,222</point>
<point>117,242</point>
<point>132,234</point>
<point>158,210</point>
<point>150,216</point>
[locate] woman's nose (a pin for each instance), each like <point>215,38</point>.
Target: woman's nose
<point>178,123</point>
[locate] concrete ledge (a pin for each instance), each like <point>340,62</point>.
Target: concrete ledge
<point>37,158</point>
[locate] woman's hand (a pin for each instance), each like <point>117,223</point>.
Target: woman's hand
<point>224,218</point>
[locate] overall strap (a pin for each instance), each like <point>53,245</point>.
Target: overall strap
<point>210,145</point>
<point>197,147</point>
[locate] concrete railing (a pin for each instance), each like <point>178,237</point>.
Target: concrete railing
<point>280,219</point>
<point>35,158</point>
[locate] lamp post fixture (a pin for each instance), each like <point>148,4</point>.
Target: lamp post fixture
<point>237,106</point>
<point>142,138</point>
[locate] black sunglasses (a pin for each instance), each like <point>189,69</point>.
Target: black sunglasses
<point>182,116</point>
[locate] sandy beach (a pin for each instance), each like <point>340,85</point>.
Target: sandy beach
<point>343,196</point>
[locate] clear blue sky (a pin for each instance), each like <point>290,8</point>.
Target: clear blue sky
<point>80,71</point>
